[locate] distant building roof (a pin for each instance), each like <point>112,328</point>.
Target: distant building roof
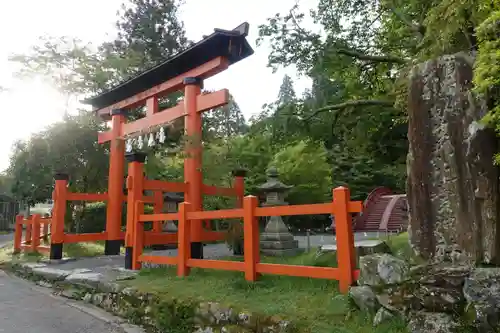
<point>231,44</point>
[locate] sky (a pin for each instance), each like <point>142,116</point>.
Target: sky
<point>30,105</point>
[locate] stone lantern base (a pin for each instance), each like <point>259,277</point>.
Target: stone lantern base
<point>168,226</point>
<point>276,240</point>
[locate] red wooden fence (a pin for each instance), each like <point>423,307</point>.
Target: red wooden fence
<point>36,228</point>
<point>341,207</point>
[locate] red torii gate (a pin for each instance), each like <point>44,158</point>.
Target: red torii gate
<point>187,70</point>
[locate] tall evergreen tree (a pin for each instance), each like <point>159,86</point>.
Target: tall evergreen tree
<point>150,28</point>
<point>286,94</point>
<point>224,122</point>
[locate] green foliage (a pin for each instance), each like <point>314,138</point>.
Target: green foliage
<point>487,66</point>
<point>174,316</point>
<point>150,28</point>
<point>223,122</point>
<point>92,218</point>
<point>305,165</point>
<point>68,146</point>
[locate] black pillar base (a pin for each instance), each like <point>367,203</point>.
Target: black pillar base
<point>197,250</point>
<point>238,249</point>
<point>128,257</point>
<point>112,247</point>
<point>56,251</point>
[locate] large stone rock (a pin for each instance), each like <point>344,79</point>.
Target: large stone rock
<point>428,322</point>
<point>364,298</point>
<point>383,315</point>
<point>453,186</point>
<point>482,291</point>
<point>381,269</point>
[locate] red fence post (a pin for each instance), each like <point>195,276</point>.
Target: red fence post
<point>46,229</point>
<point>239,185</point>
<point>59,196</point>
<point>251,237</point>
<point>345,238</point>
<point>28,231</point>
<point>18,233</point>
<point>184,240</point>
<point>157,209</point>
<point>35,233</point>
<point>135,184</point>
<point>138,234</point>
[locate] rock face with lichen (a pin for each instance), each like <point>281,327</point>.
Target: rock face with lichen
<point>453,186</point>
<point>434,297</point>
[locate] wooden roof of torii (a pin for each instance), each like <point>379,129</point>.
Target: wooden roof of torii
<point>229,44</point>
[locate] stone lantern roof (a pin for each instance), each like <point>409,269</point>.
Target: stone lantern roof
<point>173,197</point>
<point>273,184</point>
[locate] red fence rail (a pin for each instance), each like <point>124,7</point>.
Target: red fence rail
<point>341,207</point>
<point>37,228</point>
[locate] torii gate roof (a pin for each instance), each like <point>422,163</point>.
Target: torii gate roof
<point>231,44</point>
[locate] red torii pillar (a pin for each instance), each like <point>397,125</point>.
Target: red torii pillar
<point>115,185</point>
<point>192,163</point>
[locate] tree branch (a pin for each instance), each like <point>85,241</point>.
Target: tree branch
<point>296,23</point>
<point>416,28</point>
<point>375,58</point>
<point>354,103</point>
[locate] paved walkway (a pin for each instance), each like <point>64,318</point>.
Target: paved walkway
<point>5,239</point>
<point>25,308</point>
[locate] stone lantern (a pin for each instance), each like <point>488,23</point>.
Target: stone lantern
<point>276,240</point>
<point>171,202</point>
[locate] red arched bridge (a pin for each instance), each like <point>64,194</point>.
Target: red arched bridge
<point>383,211</point>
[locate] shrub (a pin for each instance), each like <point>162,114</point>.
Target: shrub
<point>92,218</point>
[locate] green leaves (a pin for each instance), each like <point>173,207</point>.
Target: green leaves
<point>68,146</point>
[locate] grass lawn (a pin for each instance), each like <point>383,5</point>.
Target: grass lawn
<point>73,250</point>
<point>314,305</point>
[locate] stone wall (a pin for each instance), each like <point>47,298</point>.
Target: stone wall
<point>431,298</point>
<point>453,186</point>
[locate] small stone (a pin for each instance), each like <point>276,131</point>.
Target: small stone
<point>430,322</point>
<point>129,291</point>
<point>50,274</point>
<point>85,279</point>
<point>109,287</point>
<point>71,293</point>
<point>87,298</point>
<point>97,299</point>
<point>44,284</point>
<point>364,298</point>
<point>383,315</point>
